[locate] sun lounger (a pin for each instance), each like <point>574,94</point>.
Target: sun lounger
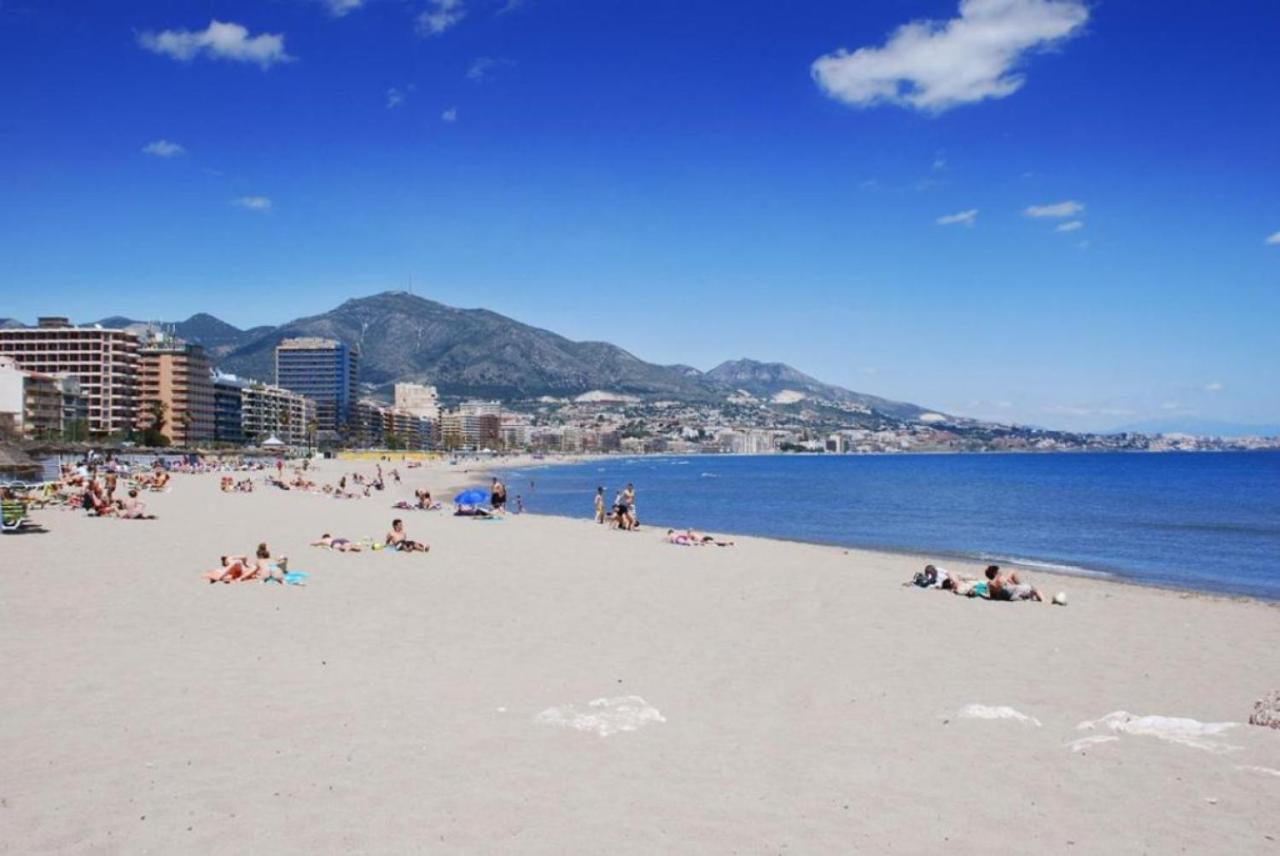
<point>13,515</point>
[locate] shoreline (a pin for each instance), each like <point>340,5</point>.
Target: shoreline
<point>1048,567</point>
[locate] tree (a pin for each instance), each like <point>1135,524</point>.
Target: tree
<point>153,435</point>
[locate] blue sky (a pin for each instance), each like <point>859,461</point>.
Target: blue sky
<point>806,182</point>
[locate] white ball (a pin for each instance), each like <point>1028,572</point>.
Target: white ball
<point>1060,598</point>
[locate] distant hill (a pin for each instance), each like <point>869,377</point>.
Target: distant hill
<point>781,383</point>
<point>476,352</point>
<point>470,352</point>
<point>1200,428</point>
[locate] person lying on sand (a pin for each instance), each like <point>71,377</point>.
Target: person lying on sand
<point>691,538</point>
<point>397,539</point>
<point>342,545</point>
<point>233,570</point>
<point>471,511</point>
<point>1008,586</point>
<point>132,508</point>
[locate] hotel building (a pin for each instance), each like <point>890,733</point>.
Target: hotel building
<point>104,361</point>
<point>325,371</point>
<point>268,411</point>
<point>176,377</point>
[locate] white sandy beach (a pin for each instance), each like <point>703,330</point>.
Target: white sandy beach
<point>795,699</point>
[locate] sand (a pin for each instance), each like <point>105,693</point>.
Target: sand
<point>767,698</point>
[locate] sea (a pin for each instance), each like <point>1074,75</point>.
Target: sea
<point>1199,521</point>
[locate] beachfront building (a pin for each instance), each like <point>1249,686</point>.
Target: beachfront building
<point>176,390</point>
<point>377,426</point>
<point>325,371</point>
<point>268,411</point>
<point>418,399</point>
<point>104,361</point>
<point>41,406</point>
<point>228,408</point>
<point>475,425</point>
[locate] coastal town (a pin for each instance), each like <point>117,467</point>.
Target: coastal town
<point>141,385</point>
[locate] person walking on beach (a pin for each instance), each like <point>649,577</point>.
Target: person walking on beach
<point>599,505</point>
<point>498,496</point>
<point>629,500</point>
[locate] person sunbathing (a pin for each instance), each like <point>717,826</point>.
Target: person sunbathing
<point>233,570</point>
<point>267,569</point>
<point>397,539</point>
<point>132,508</point>
<point>342,545</point>
<point>1009,586</point>
<point>690,538</point>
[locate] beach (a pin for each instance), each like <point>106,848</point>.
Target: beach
<point>768,697</point>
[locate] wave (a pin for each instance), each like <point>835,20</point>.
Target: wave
<point>1042,565</point>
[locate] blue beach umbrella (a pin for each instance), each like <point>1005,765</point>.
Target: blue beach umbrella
<point>472,497</point>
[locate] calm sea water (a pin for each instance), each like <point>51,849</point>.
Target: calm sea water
<point>1199,521</point>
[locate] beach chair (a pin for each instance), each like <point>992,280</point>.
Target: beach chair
<point>13,515</point>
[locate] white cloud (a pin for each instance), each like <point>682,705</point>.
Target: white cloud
<point>935,65</point>
<point>510,6</point>
<point>163,149</point>
<point>338,8</point>
<point>253,203</point>
<point>1069,226</point>
<point>1070,208</point>
<point>450,115</point>
<point>939,162</point>
<point>218,41</point>
<point>1215,386</point>
<point>484,67</point>
<point>439,16</point>
<point>394,98</point>
<point>962,218</point>
<point>1274,240</point>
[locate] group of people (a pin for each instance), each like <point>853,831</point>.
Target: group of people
<point>622,515</point>
<point>242,569</point>
<point>994,584</point>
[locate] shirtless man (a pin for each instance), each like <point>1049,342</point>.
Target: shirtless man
<point>398,540</point>
<point>1008,586</point>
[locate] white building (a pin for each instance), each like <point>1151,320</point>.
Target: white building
<point>418,399</point>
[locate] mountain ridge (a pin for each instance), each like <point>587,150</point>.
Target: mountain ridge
<point>479,352</point>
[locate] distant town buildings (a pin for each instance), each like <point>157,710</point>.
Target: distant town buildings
<point>325,371</point>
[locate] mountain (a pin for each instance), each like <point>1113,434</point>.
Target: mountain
<point>782,384</point>
<point>213,334</point>
<point>476,352</point>
<point>403,337</point>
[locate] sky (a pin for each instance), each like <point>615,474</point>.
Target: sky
<point>1051,212</point>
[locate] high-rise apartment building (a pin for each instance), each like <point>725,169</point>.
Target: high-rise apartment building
<point>268,411</point>
<point>228,408</point>
<point>176,380</point>
<point>325,371</point>
<point>105,362</point>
